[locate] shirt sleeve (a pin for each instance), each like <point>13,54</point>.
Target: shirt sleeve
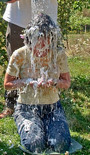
<point>62,62</point>
<point>13,68</point>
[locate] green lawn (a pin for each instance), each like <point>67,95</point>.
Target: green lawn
<point>76,102</point>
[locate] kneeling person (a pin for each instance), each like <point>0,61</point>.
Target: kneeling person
<point>38,70</point>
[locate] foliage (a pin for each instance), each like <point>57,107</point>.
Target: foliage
<point>86,20</point>
<point>66,8</point>
<point>77,21</point>
<point>80,4</point>
<point>1,86</point>
<point>64,11</point>
<point>3,55</point>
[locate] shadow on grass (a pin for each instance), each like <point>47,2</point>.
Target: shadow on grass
<point>82,84</point>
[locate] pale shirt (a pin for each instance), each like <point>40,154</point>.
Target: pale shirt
<point>23,11</point>
<point>20,66</point>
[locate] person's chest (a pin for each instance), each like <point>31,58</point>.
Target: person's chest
<point>32,66</point>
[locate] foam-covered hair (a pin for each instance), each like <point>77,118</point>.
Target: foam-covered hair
<point>42,25</point>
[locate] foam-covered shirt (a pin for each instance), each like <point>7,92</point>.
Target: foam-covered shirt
<point>20,65</point>
<point>21,12</point>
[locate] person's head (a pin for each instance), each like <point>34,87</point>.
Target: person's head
<point>41,33</point>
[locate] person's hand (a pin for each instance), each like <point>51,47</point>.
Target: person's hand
<point>41,83</point>
<point>64,81</point>
<point>12,1</point>
<point>36,83</point>
<point>44,84</point>
<point>33,83</point>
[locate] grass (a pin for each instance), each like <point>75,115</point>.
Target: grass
<point>79,44</point>
<point>76,103</point>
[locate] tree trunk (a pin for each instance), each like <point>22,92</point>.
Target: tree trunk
<point>85,28</point>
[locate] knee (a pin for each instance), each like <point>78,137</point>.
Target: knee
<point>35,146</point>
<point>32,140</point>
<point>65,144</point>
<point>60,144</point>
<point>59,139</point>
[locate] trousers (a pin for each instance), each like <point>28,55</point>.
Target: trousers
<point>13,42</point>
<point>42,127</point>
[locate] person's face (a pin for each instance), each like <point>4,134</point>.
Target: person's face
<point>42,47</point>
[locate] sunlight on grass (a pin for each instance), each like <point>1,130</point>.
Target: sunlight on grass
<point>79,66</point>
<point>79,44</point>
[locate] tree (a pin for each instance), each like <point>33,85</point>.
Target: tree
<point>66,8</point>
<point>76,21</point>
<point>80,17</point>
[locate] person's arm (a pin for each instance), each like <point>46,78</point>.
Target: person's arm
<point>12,83</point>
<point>64,81</point>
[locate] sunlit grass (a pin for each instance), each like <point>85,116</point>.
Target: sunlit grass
<point>79,66</point>
<point>76,102</point>
<point>79,44</point>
